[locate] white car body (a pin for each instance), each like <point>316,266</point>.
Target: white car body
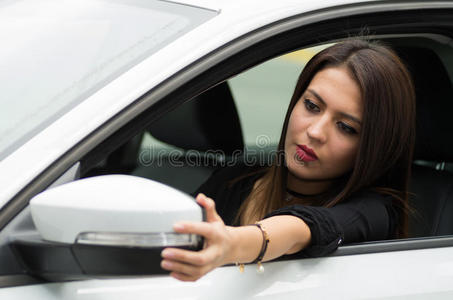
<point>418,274</point>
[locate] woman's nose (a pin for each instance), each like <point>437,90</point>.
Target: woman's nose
<point>318,129</point>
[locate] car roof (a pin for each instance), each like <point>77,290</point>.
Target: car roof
<point>248,5</point>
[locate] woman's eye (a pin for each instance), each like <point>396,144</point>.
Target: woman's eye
<point>346,128</point>
<point>310,106</point>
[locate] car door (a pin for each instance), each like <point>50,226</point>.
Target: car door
<point>417,268</point>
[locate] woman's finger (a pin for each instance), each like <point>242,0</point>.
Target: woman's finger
<point>200,228</point>
<point>209,205</point>
<point>186,256</point>
<point>199,258</point>
<point>190,270</point>
<point>183,277</point>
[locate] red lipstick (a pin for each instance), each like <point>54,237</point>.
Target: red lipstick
<point>305,154</point>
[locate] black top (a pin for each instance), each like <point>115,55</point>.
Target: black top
<point>365,216</point>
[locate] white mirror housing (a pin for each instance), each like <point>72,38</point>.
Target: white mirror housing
<point>113,210</point>
<point>112,225</point>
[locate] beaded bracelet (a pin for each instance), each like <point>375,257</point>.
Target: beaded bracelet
<point>259,258</point>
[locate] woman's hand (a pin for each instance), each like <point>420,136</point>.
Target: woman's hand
<point>188,265</point>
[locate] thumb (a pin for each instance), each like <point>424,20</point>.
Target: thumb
<point>209,205</point>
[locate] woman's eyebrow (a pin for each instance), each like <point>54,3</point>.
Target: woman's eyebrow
<point>345,115</point>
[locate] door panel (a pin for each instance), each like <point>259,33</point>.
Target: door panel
<point>415,274</point>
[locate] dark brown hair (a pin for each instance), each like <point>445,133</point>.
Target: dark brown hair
<point>387,136</point>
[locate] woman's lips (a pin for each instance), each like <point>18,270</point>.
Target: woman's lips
<point>305,154</point>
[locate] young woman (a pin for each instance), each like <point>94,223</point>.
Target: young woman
<point>346,148</point>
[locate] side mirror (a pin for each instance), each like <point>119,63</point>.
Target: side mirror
<point>112,225</point>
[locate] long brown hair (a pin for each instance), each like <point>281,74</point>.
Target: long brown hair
<point>387,137</point>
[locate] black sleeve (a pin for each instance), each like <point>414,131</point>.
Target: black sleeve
<point>365,217</point>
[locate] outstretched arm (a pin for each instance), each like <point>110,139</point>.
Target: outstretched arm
<point>225,244</point>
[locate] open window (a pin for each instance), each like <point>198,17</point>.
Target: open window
<point>239,119</point>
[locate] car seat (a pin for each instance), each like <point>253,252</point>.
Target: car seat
<point>431,185</point>
<point>207,131</point>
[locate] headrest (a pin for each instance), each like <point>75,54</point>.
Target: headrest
<point>434,94</point>
<point>207,122</point>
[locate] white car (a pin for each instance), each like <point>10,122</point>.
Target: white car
<point>95,112</point>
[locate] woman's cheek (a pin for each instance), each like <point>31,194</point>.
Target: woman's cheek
<point>347,152</point>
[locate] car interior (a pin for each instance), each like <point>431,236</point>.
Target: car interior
<point>205,134</point>
<point>431,181</point>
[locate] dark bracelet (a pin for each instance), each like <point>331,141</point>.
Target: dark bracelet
<point>260,268</point>
<point>263,246</point>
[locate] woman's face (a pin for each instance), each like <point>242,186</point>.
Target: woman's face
<point>323,131</point>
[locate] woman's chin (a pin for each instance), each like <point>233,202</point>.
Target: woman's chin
<point>302,170</point>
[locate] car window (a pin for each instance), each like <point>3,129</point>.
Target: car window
<point>103,40</point>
